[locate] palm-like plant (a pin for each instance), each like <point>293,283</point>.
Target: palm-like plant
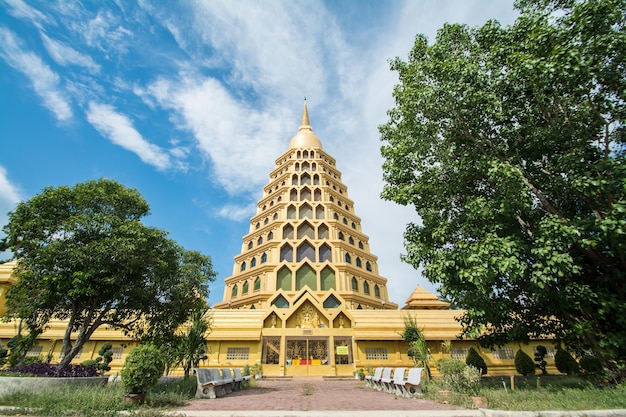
<point>191,346</point>
<point>418,350</point>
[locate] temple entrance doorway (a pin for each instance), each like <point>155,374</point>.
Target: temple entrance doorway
<point>307,356</point>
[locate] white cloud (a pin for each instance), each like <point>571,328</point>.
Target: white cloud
<point>238,139</point>
<point>105,32</point>
<point>10,195</point>
<point>236,212</point>
<point>21,10</point>
<point>44,81</point>
<point>119,129</point>
<point>66,55</point>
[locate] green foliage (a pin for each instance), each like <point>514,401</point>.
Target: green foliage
<point>418,350</point>
<point>101,363</point>
<point>459,377</point>
<point>4,353</point>
<point>142,369</point>
<point>565,362</point>
<point>84,256</point>
<point>540,354</point>
<point>191,340</point>
<point>100,401</point>
<point>590,365</point>
<point>510,144</point>
<point>524,364</point>
<point>474,359</point>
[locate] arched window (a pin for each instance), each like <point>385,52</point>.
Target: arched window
<point>305,179</point>
<point>306,230</point>
<point>351,240</point>
<point>345,221</point>
<point>293,195</point>
<point>257,284</point>
<point>366,288</point>
<point>259,241</point>
<point>294,179</point>
<point>286,253</point>
<point>253,263</point>
<point>264,258</point>
<point>291,213</point>
<point>258,225</point>
<point>358,262</point>
<point>353,226</point>
<point>326,253</point>
<point>234,292</point>
<point>306,276</point>
<point>270,236</point>
<point>306,211</point>
<point>355,284</point>
<point>275,217</point>
<point>327,278</point>
<point>319,212</point>
<point>317,195</point>
<point>266,221</point>
<point>244,291</point>
<point>250,245</point>
<point>340,236</point>
<point>368,266</point>
<point>335,216</point>
<point>283,279</point>
<point>322,232</point>
<point>305,251</point>
<point>360,245</point>
<point>305,194</point>
<point>376,291</point>
<point>288,232</point>
<point>316,179</point>
<point>348,258</point>
<point>243,266</point>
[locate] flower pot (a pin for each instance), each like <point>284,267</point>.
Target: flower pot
<point>135,398</point>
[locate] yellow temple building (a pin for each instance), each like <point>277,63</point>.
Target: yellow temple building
<point>305,297</point>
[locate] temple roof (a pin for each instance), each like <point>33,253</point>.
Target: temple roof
<point>305,138</point>
<point>422,299</point>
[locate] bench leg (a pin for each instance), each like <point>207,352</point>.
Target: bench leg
<point>206,391</point>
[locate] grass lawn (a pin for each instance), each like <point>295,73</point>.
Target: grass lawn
<point>100,401</point>
<point>552,392</point>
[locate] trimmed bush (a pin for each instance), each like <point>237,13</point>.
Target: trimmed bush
<point>590,364</point>
<point>524,364</point>
<point>142,369</point>
<point>474,359</point>
<point>565,363</point>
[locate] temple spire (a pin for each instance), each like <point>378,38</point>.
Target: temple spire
<point>305,138</point>
<point>305,117</point>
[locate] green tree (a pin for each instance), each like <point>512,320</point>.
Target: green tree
<point>84,256</point>
<point>509,142</point>
<point>524,364</point>
<point>474,359</point>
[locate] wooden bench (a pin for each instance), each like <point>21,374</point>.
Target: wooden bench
<point>210,383</point>
<point>372,380</point>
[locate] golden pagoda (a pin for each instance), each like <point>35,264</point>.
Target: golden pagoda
<point>305,296</point>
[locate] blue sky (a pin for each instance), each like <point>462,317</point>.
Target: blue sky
<point>191,102</point>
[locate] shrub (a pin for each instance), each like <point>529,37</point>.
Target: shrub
<point>590,364</point>
<point>565,363</point>
<point>540,355</point>
<point>142,369</point>
<point>46,369</point>
<point>459,377</point>
<point>474,359</point>
<point>524,364</point>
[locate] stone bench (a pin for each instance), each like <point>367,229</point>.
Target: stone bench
<point>210,383</point>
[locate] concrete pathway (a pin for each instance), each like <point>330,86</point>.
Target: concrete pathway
<point>316,397</point>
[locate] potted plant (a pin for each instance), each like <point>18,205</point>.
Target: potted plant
<point>257,370</point>
<point>142,369</point>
